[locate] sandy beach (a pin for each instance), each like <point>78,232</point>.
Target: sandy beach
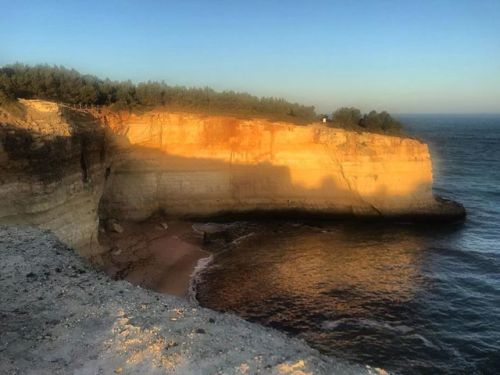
<point>157,254</point>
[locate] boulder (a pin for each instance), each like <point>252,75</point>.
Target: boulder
<point>212,231</point>
<point>113,226</point>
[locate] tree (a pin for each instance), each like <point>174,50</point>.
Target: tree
<point>87,94</point>
<point>381,123</point>
<point>351,118</point>
<point>347,117</point>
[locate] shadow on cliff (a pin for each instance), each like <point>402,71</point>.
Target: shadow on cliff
<point>191,186</point>
<point>48,157</point>
<point>214,189</point>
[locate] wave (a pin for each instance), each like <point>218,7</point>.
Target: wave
<point>196,276</point>
<point>362,322</point>
<point>402,330</point>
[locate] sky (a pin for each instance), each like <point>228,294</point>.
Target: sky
<point>427,56</point>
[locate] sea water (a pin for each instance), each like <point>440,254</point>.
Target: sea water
<point>411,299</point>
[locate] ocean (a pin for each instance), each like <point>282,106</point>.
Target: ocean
<point>412,299</point>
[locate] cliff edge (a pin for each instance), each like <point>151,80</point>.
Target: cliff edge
<point>52,171</point>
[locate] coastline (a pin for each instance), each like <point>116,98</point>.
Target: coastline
<point>60,315</point>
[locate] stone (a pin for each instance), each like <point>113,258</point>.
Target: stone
<point>115,227</point>
<point>212,231</point>
<point>116,251</point>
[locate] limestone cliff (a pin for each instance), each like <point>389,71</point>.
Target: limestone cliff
<point>187,164</point>
<point>57,169</point>
<point>52,165</point>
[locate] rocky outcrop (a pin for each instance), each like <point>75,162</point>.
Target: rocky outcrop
<point>52,172</point>
<point>194,165</point>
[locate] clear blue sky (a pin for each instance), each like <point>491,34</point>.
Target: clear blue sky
<point>403,56</point>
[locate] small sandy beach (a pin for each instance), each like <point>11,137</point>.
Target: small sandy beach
<point>157,254</point>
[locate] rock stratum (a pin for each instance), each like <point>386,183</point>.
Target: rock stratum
<point>52,171</point>
<point>64,169</point>
<point>203,165</point>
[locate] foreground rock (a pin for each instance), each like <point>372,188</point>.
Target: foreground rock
<point>60,316</point>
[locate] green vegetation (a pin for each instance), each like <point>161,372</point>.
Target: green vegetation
<point>374,122</point>
<point>68,86</point>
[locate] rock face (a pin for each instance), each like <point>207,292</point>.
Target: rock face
<point>197,165</point>
<point>52,166</point>
<point>56,172</point>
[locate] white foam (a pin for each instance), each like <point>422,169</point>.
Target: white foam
<point>196,277</point>
<point>333,324</point>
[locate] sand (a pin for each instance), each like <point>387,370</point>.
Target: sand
<point>159,255</point>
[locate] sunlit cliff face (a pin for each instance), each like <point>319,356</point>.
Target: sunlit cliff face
<point>256,164</point>
<point>65,168</point>
<point>44,118</point>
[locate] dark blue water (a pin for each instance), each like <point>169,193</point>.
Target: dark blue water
<point>409,299</point>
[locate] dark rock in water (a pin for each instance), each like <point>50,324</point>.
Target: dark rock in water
<point>209,228</point>
<point>451,209</point>
<point>212,231</point>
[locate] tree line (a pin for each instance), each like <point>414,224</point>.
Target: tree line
<point>57,83</point>
<point>60,84</point>
<point>373,121</point>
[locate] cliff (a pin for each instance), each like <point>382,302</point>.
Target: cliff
<point>196,165</point>
<point>59,171</point>
<point>52,166</point>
